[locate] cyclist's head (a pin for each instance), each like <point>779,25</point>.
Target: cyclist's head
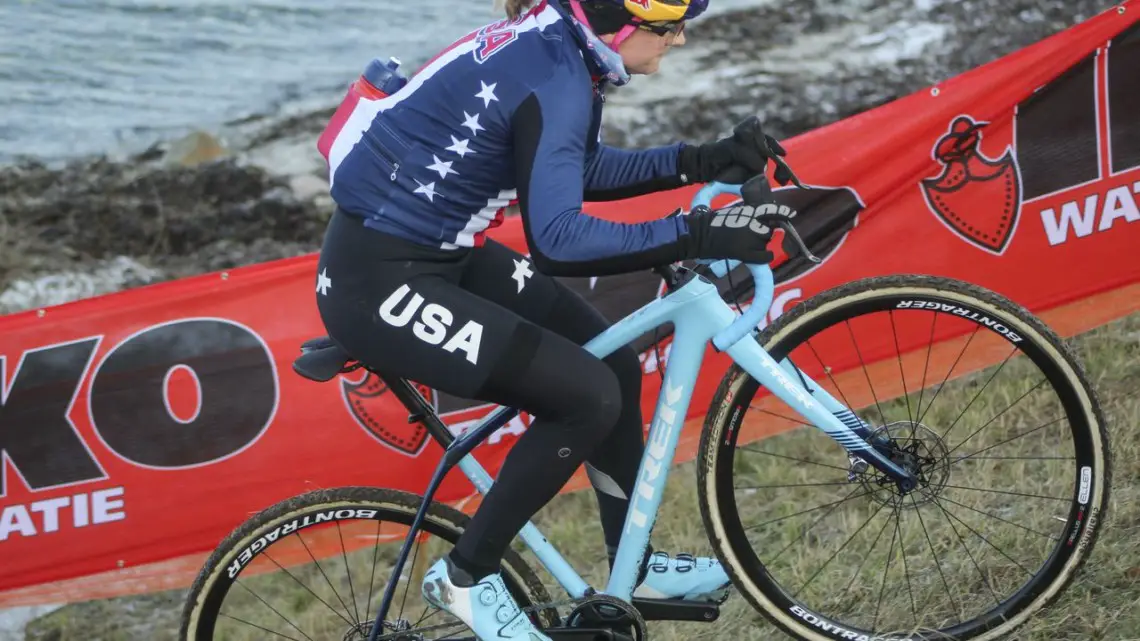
<point>640,30</point>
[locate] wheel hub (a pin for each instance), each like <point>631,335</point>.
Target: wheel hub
<point>361,631</point>
<point>918,450</point>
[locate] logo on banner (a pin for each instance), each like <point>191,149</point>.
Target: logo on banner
<point>379,412</point>
<point>976,196</point>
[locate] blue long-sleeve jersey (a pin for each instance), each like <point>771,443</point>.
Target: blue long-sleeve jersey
<point>511,112</point>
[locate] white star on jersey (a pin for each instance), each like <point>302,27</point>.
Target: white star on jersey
<point>522,272</point>
<point>472,123</point>
<point>443,168</point>
<point>460,147</point>
<point>487,94</point>
<point>427,190</point>
<point>324,283</point>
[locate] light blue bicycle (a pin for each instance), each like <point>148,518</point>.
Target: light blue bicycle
<point>913,509</point>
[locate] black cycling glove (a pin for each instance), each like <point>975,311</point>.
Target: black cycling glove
<point>731,232</point>
<point>734,159</point>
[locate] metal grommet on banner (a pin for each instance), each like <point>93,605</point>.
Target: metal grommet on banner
<point>934,91</point>
<point>1120,9</point>
<point>41,313</point>
<point>225,275</point>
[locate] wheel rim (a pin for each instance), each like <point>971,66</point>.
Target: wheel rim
<point>953,514</point>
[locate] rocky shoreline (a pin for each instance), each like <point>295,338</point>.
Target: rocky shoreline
<point>256,191</point>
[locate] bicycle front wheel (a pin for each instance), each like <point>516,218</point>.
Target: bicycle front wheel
<point>972,393</point>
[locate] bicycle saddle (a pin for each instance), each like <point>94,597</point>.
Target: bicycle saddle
<point>321,360</point>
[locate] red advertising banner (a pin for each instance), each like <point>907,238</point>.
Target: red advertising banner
<point>137,429</point>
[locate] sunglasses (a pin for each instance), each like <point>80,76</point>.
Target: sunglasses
<point>663,27</point>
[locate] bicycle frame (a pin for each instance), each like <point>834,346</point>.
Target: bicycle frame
<point>699,315</point>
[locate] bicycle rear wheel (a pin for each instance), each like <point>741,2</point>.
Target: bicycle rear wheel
<point>313,567</point>
<point>978,397</point>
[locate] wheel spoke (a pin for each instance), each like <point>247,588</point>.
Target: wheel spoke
<point>998,415</point>
<point>307,588</point>
<point>946,435</point>
<point>867,556</point>
<point>372,577</point>
<point>906,570</point>
<point>866,374</point>
<point>408,586</point>
<point>1032,496</point>
<point>982,537</point>
<point>348,571</point>
<point>997,602</point>
<point>934,553</point>
<point>994,516</point>
<point>273,609</point>
<point>804,534</point>
<point>764,487</point>
<point>949,373</point>
<point>1014,458</point>
<point>926,366</point>
<point>886,571</point>
<point>790,419</point>
<point>748,448</point>
<point>898,352</point>
<point>827,370</point>
<point>813,509</point>
<point>254,625</point>
<point>322,571</point>
<point>1010,439</point>
<point>836,553</point>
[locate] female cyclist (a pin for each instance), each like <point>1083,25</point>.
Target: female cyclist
<point>410,285</point>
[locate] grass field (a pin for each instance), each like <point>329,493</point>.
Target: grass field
<point>1100,604</point>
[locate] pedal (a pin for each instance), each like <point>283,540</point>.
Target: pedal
<point>676,610</point>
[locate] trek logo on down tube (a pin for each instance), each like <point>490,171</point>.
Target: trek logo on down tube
<point>661,434</point>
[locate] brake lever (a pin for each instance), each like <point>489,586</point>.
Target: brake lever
<point>793,177</point>
<point>786,224</point>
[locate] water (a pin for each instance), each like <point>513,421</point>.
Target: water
<point>94,76</point>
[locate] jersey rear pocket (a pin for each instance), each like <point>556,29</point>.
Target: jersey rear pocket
<point>389,161</point>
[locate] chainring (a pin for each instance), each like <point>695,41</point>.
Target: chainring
<point>605,611</point>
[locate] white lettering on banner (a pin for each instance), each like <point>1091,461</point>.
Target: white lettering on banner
<point>1118,205</point>
<point>49,515</point>
<point>665,423</point>
<point>648,358</point>
<point>434,322</point>
<point>514,427</point>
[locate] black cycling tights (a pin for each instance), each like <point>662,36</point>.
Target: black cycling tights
<point>482,324</point>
